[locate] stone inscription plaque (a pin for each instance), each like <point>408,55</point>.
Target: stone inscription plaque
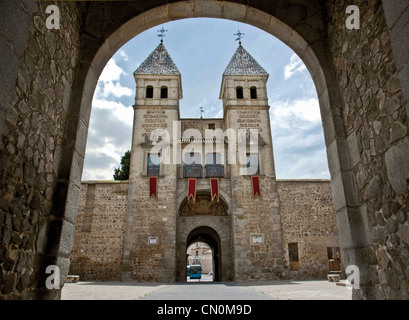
<point>154,119</point>
<point>249,119</point>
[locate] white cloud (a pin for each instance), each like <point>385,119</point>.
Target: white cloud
<point>111,72</point>
<point>116,90</point>
<point>296,65</point>
<point>116,109</point>
<point>298,139</point>
<point>123,55</point>
<point>109,82</point>
<point>110,126</point>
<point>283,113</point>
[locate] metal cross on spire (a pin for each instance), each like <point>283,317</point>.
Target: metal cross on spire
<point>201,112</point>
<point>162,34</point>
<point>239,36</point>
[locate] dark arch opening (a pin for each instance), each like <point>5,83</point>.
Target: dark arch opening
<point>239,93</point>
<point>164,92</point>
<point>211,238</point>
<point>149,92</point>
<point>253,93</point>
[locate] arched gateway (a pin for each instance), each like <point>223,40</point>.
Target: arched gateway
<point>206,221</point>
<point>361,81</point>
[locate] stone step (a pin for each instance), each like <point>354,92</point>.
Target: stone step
<point>334,277</point>
<point>72,279</point>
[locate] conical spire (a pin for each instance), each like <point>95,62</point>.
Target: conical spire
<point>243,64</point>
<point>159,62</point>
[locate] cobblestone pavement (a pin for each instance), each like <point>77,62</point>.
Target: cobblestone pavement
<point>275,290</point>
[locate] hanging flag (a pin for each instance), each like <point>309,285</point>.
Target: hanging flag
<point>214,188</point>
<point>256,186</point>
<point>153,187</point>
<point>191,189</point>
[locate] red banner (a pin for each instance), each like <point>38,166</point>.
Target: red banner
<point>191,189</point>
<point>256,186</point>
<point>153,187</point>
<point>214,188</point>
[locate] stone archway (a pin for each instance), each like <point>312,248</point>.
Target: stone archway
<point>211,238</point>
<point>367,146</point>
<point>207,221</point>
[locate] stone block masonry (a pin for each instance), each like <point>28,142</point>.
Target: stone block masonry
<point>32,140</point>
<point>376,125</point>
<point>99,236</point>
<point>307,218</point>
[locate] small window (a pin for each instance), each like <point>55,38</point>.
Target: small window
<point>149,92</point>
<point>153,164</point>
<point>239,93</point>
<point>252,164</point>
<point>212,126</point>
<point>164,92</point>
<point>334,259</point>
<point>333,253</point>
<point>293,256</point>
<point>193,165</point>
<point>253,93</point>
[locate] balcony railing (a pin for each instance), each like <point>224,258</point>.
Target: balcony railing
<point>196,171</point>
<point>214,170</point>
<point>192,171</point>
<point>153,170</point>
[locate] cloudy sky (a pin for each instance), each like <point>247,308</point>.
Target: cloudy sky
<point>201,49</point>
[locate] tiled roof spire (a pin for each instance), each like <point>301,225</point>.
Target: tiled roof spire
<point>243,64</point>
<point>159,62</point>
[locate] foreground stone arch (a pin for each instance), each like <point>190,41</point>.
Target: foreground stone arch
<point>361,81</point>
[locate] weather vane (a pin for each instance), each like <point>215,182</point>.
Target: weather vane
<point>201,112</point>
<point>239,35</point>
<point>162,34</point>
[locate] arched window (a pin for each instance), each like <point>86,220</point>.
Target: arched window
<point>163,92</point>
<point>239,93</point>
<point>149,92</point>
<point>253,93</point>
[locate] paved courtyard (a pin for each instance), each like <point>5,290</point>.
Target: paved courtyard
<point>271,290</point>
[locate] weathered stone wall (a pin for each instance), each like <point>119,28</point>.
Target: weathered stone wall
<point>376,130</point>
<point>256,217</point>
<point>32,140</point>
<point>149,217</point>
<point>308,218</point>
<point>99,231</point>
